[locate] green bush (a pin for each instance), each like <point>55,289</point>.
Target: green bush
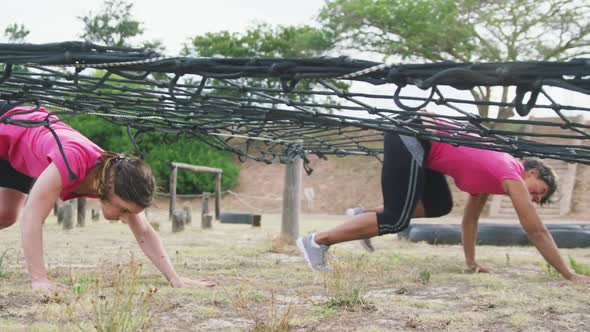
<point>160,152</point>
<point>107,135</point>
<point>192,151</point>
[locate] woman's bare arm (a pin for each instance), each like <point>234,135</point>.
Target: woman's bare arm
<point>471,215</point>
<point>37,207</point>
<point>536,231</point>
<point>152,246</point>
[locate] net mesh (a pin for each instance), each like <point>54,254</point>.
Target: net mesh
<point>272,109</point>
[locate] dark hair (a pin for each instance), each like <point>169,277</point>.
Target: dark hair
<point>128,177</point>
<point>546,174</point>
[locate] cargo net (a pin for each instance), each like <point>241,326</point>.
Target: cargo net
<point>276,109</point>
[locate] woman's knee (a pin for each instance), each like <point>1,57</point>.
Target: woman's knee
<point>7,217</point>
<point>442,208</point>
<point>11,201</point>
<point>390,223</point>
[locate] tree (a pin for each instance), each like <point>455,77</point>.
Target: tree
<point>463,30</point>
<point>262,40</point>
<point>16,33</point>
<point>115,26</point>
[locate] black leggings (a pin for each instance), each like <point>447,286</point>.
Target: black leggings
<point>9,177</point>
<point>405,181</point>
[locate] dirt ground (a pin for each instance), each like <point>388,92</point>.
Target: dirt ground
<point>265,285</point>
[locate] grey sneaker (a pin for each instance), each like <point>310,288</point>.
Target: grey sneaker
<point>314,255</point>
<point>365,243</point>
<point>354,211</point>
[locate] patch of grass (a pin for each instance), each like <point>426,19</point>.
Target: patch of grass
<point>9,325</point>
<point>281,245</point>
<point>322,312</point>
<point>438,321</point>
<point>44,327</point>
<point>519,320</point>
<point>256,296</point>
<point>276,317</point>
<point>238,258</point>
<point>579,268</point>
<point>489,281</point>
<point>348,300</point>
<point>418,303</point>
<point>217,299</point>
<point>424,276</point>
<point>3,273</point>
<point>549,270</point>
<point>373,329</point>
<point>125,306</point>
<point>81,284</point>
<point>343,289</point>
<point>205,312</point>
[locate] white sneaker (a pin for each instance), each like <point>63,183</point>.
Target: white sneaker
<point>315,254</point>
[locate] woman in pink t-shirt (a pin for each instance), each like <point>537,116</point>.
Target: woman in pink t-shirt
<point>34,163</point>
<point>414,186</point>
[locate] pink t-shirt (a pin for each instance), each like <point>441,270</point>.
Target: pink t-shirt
<point>31,150</point>
<point>475,171</point>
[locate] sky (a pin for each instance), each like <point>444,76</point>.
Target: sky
<point>171,21</point>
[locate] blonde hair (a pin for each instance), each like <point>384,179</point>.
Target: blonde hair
<point>128,177</point>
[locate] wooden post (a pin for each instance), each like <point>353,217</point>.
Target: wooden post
<point>173,175</point>
<point>95,214</point>
<point>256,220</point>
<point>189,217</point>
<point>206,221</point>
<point>217,171</point>
<point>205,216</point>
<point>67,213</point>
<point>178,219</point>
<point>81,211</point>
<point>217,195</point>
<point>291,201</point>
<point>60,215</point>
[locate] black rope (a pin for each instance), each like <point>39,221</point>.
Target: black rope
<point>267,105</point>
<point>71,173</point>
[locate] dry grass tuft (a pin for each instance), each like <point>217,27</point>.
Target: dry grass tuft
<point>121,304</point>
<point>275,318</point>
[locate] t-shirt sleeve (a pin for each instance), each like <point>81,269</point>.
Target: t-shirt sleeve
<point>78,162</point>
<point>510,170</point>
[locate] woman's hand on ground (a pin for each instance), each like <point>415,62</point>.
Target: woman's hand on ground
<point>480,269</point>
<point>47,285</point>
<point>579,278</point>
<point>183,282</point>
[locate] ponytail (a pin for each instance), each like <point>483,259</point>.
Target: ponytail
<point>128,177</point>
